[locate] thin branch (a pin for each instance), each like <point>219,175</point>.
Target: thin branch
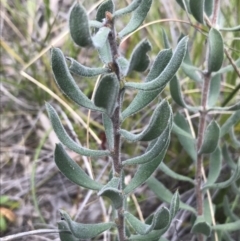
<point>215,12</point>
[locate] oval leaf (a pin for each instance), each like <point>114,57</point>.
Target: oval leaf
<point>66,82</point>
<point>214,91</point>
<point>215,55</point>
<point>201,226</point>
<point>107,93</point>
<point>197,9</point>
<point>64,232</point>
<point>109,132</point>
<point>105,53</point>
<point>169,71</point>
<point>106,6</point>
<point>79,26</point>
<point>100,38</point>
<point>64,137</point>
<point>208,7</point>
<point>85,231</point>
<point>137,18</point>
<point>229,227</point>
<point>131,7</point>
<point>211,138</point>
<point>72,170</point>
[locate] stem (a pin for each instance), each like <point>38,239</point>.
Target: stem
<point>215,12</point>
<point>116,154</point>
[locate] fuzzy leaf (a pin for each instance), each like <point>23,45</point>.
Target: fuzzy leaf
<point>149,155</point>
<point>131,7</point>
<point>66,82</point>
<point>107,93</point>
<point>164,194</point>
<point>234,139</point>
<point>169,71</point>
<point>111,191</point>
<point>65,233</point>
<point>106,6</point>
<point>81,70</point>
<point>201,226</point>
<point>152,236</point>
<point>182,130</point>
<point>233,29</point>
<point>85,231</point>
<point>227,68</point>
<point>231,121</point>
<point>138,16</point>
<point>215,56</point>
<point>228,211</point>
<point>197,9</point>
<point>227,158</point>
<point>158,122</point>
<point>108,126</point>
<point>214,91</point>
<point>105,53</point>
<point>79,26</point>
<point>95,24</point>
<point>163,167</point>
<point>234,176</point>
<point>122,65</point>
<point>181,4</point>
<point>145,171</point>
<point>215,164</point>
<point>143,98</point>
<point>72,170</point>
<point>166,43</point>
<point>65,138</point>
<point>211,138</point>
<point>208,7</point>
<point>100,38</point>
<point>191,71</point>
<point>228,108</point>
<point>229,227</point>
<point>139,59</point>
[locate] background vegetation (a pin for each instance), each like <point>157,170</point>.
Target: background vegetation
<point>32,189</point>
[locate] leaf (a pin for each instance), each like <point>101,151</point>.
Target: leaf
<point>176,94</point>
<point>165,40</point>
<point>158,122</point>
<point>100,38</point>
<point>109,132</point>
<point>234,139</point>
<point>65,233</point>
<point>215,165</point>
<point>152,236</point>
<point>149,155</point>
<point>72,170</point>
<point>197,9</point>
<point>81,70</point>
<point>228,108</point>
<point>227,158</point>
<point>160,221</point>
<point>66,140</point>
<point>215,55</point>
<point>180,2</point>
<point>66,82</point>
<point>191,71</point>
<point>131,7</point>
<point>111,191</point>
<point>182,130</point>
<point>163,167</point>
<point>233,29</point>
<point>95,24</point>
<point>231,121</point>
<point>107,93</point>
<point>201,226</point>
<point>227,68</point>
<point>85,231</point>
<point>169,71</point>
<point>227,210</point>
<point>138,16</point>
<point>106,6</point>
<point>79,26</point>
<point>234,226</point>
<point>214,91</point>
<point>105,53</point>
<point>139,59</point>
<point>143,98</point>
<point>211,138</point>
<point>164,194</point>
<point>145,171</point>
<point>234,176</point>
<point>122,65</point>
<point>208,7</point>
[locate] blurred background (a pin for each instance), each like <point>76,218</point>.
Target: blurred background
<point>32,189</point>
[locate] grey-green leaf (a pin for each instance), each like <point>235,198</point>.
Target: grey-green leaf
<point>208,7</point>
<point>166,43</point>
<point>66,82</point>
<point>201,226</point>
<point>234,226</point>
<point>131,7</point>
<point>143,98</point>
<point>65,233</point>
<point>215,55</point>
<point>158,122</point>
<point>138,16</point>
<point>111,191</point>
<point>123,65</point>
<point>85,231</point>
<point>106,6</point>
<point>139,59</point>
<point>145,171</point>
<point>105,53</point>
<point>228,211</point>
<point>81,70</point>
<point>197,9</point>
<point>72,170</point>
<point>168,73</point>
<point>180,2</point>
<point>109,131</point>
<point>164,194</point>
<point>107,93</point>
<point>65,138</point>
<point>233,29</point>
<point>100,38</point>
<point>79,26</point>
<point>211,138</point>
<point>214,90</point>
<point>191,71</point>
